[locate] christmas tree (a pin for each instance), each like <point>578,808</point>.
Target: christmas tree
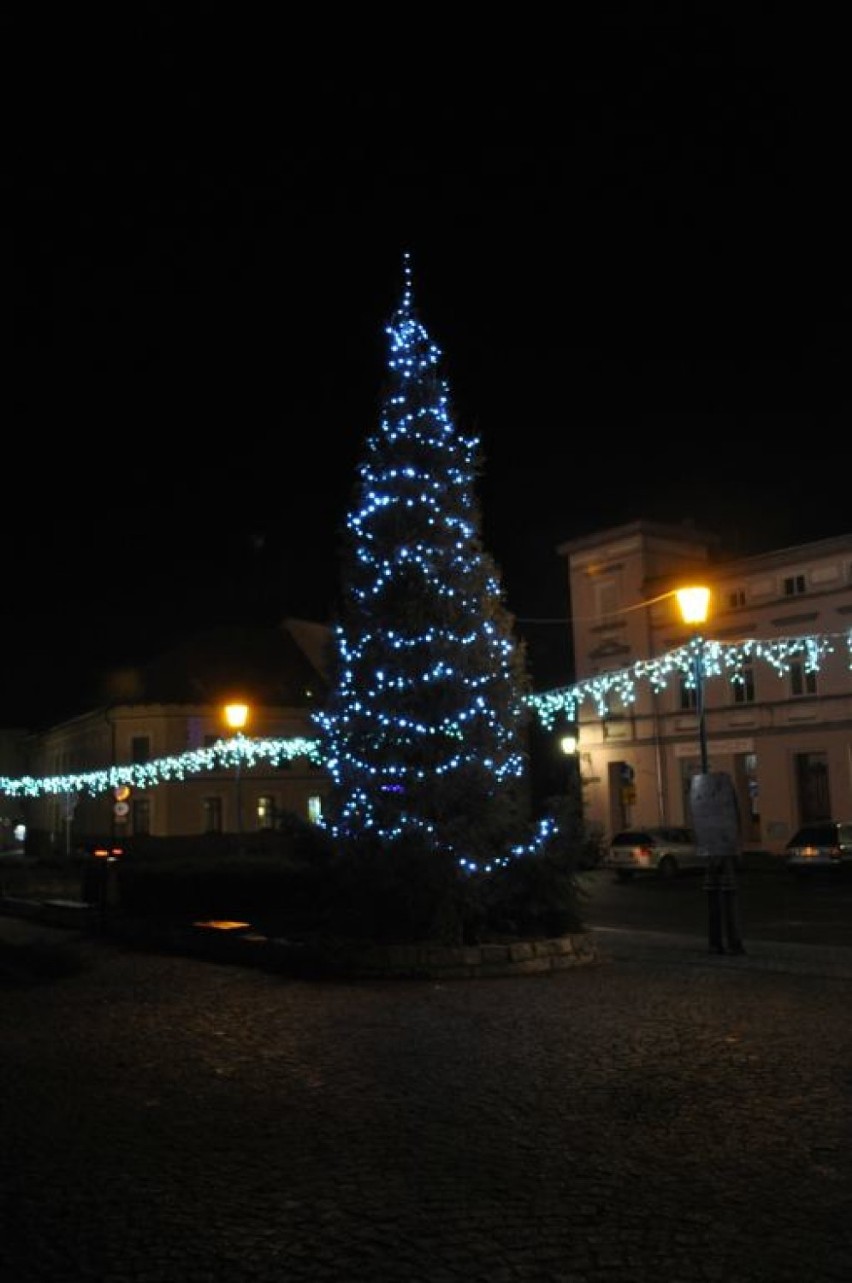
<point>425,731</point>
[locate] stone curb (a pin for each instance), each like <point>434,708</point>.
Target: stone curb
<point>73,914</point>
<point>336,959</point>
<point>435,962</point>
<point>238,943</point>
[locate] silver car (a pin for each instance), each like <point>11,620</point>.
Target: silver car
<point>662,851</point>
<point>825,845</point>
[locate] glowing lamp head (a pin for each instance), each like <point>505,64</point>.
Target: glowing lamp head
<point>568,744</point>
<point>694,604</point>
<point>236,716</point>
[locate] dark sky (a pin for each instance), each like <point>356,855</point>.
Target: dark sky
<point>630,244</point>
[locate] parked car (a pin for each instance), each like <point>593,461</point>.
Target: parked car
<point>663,851</point>
<point>826,845</point>
<point>109,850</point>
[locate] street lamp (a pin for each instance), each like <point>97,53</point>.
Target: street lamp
<point>570,812</point>
<point>236,716</point>
<point>694,605</point>
<point>713,803</point>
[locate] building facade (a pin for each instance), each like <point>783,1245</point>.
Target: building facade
<point>169,803</point>
<point>164,732</point>
<point>776,682</point>
<point>775,678</point>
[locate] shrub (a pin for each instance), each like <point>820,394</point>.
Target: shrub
<point>276,879</point>
<point>393,892</point>
<point>531,896</point>
<point>406,892</point>
<point>301,883</point>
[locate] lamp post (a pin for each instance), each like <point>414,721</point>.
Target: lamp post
<point>694,605</point>
<point>570,815</point>
<point>236,716</point>
<point>713,802</point>
<point>569,745</point>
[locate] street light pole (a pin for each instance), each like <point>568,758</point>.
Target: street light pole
<point>694,604</point>
<point>236,716</point>
<point>239,800</point>
<point>699,703</point>
<point>713,802</point>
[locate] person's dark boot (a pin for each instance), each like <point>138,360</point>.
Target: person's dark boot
<point>731,923</point>
<point>715,939</point>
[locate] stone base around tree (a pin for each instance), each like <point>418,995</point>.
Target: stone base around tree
<point>435,962</point>
<point>240,943</point>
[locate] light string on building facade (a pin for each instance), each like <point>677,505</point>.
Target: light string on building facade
<point>720,659</point>
<point>221,756</point>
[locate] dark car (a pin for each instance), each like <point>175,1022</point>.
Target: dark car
<point>824,845</point>
<point>662,850</point>
<point>108,850</point>
<point>99,862</point>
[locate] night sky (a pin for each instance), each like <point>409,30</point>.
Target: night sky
<point>630,244</point>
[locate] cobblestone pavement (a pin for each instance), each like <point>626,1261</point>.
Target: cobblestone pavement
<point>652,1116</point>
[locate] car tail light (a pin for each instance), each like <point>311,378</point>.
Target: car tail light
<point>642,854</point>
<point>813,852</point>
<point>105,852</point>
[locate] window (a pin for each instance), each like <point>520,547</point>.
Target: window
<point>315,809</point>
<point>617,721</point>
<point>803,681</point>
<point>812,786</point>
<point>688,695</point>
<point>617,706</point>
<point>736,598</point>
<point>141,815</point>
<point>794,585</point>
<point>266,812</point>
<point>742,684</point>
<point>606,598</point>
<point>140,748</point>
<point>749,762</point>
<point>212,818</point>
<point>689,766</point>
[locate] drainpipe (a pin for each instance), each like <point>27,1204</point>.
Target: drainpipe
<point>111,724</point>
<point>658,764</point>
<point>655,715</point>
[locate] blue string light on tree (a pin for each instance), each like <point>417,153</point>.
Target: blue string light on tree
<point>423,732</point>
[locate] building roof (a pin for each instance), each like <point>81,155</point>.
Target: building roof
<point>684,532</point>
<point>282,666</point>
